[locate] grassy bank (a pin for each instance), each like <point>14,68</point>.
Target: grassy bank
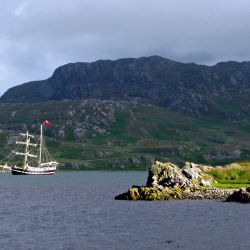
<point>232,176</point>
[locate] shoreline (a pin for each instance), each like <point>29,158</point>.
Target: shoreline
<point>167,181</point>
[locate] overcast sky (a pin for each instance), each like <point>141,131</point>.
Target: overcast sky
<point>36,36</point>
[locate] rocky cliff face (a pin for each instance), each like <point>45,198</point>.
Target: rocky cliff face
<point>188,88</point>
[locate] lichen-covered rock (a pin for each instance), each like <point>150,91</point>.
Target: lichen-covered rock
<point>190,176</point>
<point>166,175</point>
<point>242,195</point>
<point>166,181</point>
<point>150,193</point>
<point>191,172</point>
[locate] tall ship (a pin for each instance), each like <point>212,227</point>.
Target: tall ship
<point>36,158</point>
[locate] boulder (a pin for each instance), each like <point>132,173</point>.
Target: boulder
<point>242,195</point>
<point>189,176</point>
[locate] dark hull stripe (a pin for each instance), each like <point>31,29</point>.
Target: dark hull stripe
<point>26,172</point>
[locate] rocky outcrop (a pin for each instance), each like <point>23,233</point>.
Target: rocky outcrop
<point>166,181</point>
<point>189,176</point>
<point>218,155</point>
<point>152,193</point>
<point>242,195</point>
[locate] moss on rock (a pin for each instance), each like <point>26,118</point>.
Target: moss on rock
<point>150,193</point>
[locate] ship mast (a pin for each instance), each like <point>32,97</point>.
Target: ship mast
<point>42,165</point>
<point>26,149</point>
<point>41,144</point>
<point>27,143</point>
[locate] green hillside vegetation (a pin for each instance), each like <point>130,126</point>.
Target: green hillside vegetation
<point>234,176</point>
<point>94,134</point>
<point>124,114</point>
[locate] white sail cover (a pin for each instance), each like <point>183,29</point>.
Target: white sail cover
<point>28,154</point>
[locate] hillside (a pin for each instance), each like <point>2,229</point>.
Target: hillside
<point>129,112</point>
<point>95,134</point>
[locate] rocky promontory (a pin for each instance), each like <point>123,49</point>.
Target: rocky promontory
<point>167,181</point>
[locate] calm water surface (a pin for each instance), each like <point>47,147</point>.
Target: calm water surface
<point>76,210</point>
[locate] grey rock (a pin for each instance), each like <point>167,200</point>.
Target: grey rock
<point>242,195</point>
<point>169,175</point>
<point>191,171</point>
<point>61,133</point>
<point>79,132</point>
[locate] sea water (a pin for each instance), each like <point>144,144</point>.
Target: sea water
<point>77,210</point>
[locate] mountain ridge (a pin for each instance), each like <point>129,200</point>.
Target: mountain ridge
<point>183,87</point>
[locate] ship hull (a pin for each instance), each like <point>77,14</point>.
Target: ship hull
<point>34,171</point>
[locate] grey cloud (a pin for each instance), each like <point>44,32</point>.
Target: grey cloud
<point>38,36</point>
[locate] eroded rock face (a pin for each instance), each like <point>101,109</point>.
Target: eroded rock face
<point>242,195</point>
<point>190,176</point>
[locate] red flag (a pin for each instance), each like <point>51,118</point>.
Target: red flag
<point>46,122</point>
